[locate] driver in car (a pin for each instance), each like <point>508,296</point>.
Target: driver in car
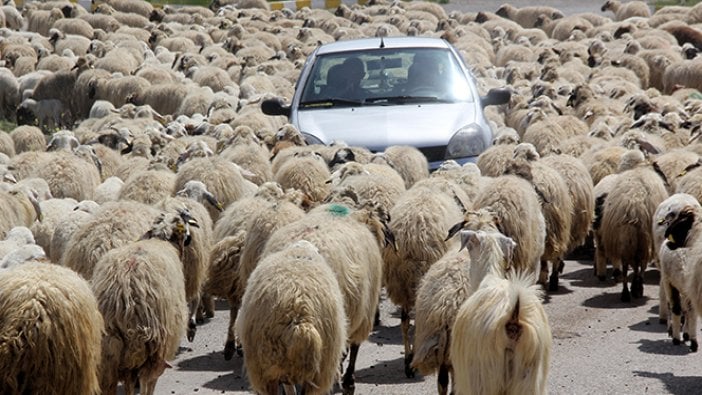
<point>424,76</point>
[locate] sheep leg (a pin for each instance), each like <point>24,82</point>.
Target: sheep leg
<point>676,310</point>
<point>192,327</point>
<point>289,389</point>
<point>443,379</point>
<point>553,279</point>
<point>230,346</point>
<point>690,327</point>
<point>637,282</point>
<point>662,305</point>
<point>600,262</point>
<point>543,274</point>
<point>272,388</point>
<point>209,305</point>
<point>349,383</point>
<point>147,386</point>
<point>405,325</point>
<point>626,296</point>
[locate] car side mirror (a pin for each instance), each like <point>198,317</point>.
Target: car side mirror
<point>496,96</point>
<point>275,107</point>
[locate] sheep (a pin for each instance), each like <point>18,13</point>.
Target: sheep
<point>68,175</point>
<point>626,10</point>
<point>307,172</point>
<point>409,162</point>
<point>350,242</point>
<point>80,213</point>
<point>236,216</point>
<point>139,288</point>
<point>557,207</point>
<point>419,236</point>
<point>379,183</point>
<point>113,225</point>
<point>10,97</point>
<point>48,114</point>
<point>309,351</point>
<point>260,225</point>
<point>629,205</point>
<point>674,270</point>
<point>52,331</point>
<point>19,208</point>
<point>442,291</point>
<point>224,179</point>
<point>526,16</point>
<point>28,138</point>
<point>53,211</point>
<point>149,186</point>
<point>580,190</point>
<point>502,339</point>
<point>515,208</point>
<point>493,161</point>
<point>16,237</point>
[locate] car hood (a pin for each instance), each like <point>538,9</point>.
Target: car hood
<point>377,127</point>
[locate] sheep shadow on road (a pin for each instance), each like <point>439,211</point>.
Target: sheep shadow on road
<point>382,335</point>
<point>612,300</point>
<point>385,373</point>
<point>675,385</point>
<point>663,346</point>
<point>212,362</point>
<point>650,325</point>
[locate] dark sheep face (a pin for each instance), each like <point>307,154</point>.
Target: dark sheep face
<point>25,116</point>
<point>676,233</point>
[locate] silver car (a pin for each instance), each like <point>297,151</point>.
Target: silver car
<point>378,92</point>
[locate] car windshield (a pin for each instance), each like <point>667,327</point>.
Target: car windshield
<point>386,76</point>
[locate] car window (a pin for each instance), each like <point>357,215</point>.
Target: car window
<point>386,76</point>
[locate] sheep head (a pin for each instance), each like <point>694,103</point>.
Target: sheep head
<point>484,219</point>
<point>377,218</point>
<point>480,242</point>
<point>173,227</point>
<point>197,190</point>
<point>679,225</point>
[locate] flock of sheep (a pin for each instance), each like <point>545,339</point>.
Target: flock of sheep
<point>143,182</point>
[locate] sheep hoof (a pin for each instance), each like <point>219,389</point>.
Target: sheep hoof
<point>626,296</point>
<point>229,349</point>
<point>191,330</point>
<point>200,320</point>
<point>616,273</point>
<point>686,337</point>
<point>209,313</point>
<point>676,341</point>
<point>693,345</point>
<point>348,385</point>
<point>409,371</point>
<point>553,284</point>
<point>376,320</point>
<point>637,288</point>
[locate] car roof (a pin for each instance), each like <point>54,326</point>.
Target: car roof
<point>388,42</point>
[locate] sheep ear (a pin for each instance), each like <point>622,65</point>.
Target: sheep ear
<point>468,237</point>
<point>454,229</point>
<point>507,245</point>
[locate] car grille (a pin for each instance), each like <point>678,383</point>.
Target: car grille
<point>434,154</point>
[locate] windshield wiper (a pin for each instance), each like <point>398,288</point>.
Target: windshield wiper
<point>405,99</point>
<point>332,102</point>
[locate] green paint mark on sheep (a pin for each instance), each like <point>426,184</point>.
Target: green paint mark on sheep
<point>338,210</point>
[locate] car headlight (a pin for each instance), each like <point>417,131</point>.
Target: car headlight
<point>310,139</point>
<point>467,141</point>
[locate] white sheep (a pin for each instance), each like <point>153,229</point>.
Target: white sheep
<point>52,331</point>
<point>501,339</point>
<point>65,228</point>
<point>627,10</point>
<point>113,225</point>
<point>352,250</point>
<point>626,217</point>
<point>420,220</point>
<point>293,322</point>
<point>139,288</point>
<point>673,264</point>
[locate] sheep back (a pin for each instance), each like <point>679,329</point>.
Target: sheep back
<point>51,331</point>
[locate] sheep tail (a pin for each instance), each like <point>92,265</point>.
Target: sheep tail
<point>305,346</point>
